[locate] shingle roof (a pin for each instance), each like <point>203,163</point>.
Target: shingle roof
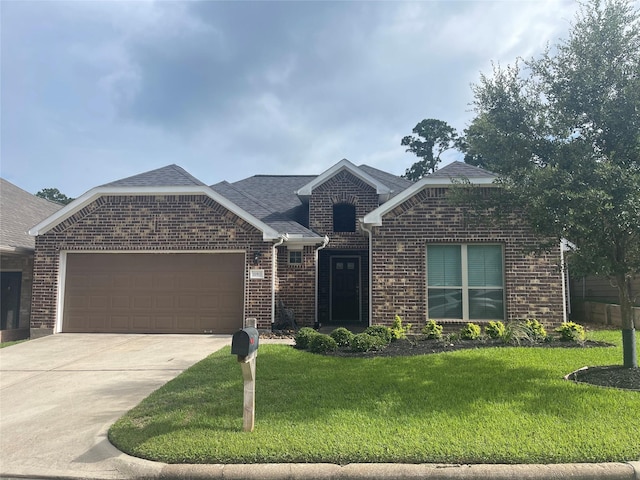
<point>19,211</point>
<point>394,182</point>
<point>461,169</point>
<point>169,176</point>
<point>272,199</point>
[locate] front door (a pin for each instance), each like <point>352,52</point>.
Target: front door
<point>345,289</point>
<point>10,300</point>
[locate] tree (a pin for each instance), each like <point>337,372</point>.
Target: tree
<point>563,133</point>
<point>54,195</point>
<point>431,138</point>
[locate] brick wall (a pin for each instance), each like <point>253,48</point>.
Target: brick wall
<point>343,187</point>
<point>150,223</point>
<point>296,285</point>
<point>533,283</point>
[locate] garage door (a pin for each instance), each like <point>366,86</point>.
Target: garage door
<point>153,293</point>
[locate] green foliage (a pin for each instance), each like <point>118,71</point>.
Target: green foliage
<point>54,195</point>
<point>398,331</point>
<point>571,332</point>
<point>431,138</point>
<point>470,331</point>
<point>321,343</point>
<point>342,336</point>
<point>495,330</point>
<point>538,332</point>
<point>561,131</point>
<point>364,342</point>
<point>304,336</point>
<point>381,331</point>
<point>432,329</point>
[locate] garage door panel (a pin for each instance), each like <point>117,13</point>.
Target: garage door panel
<point>147,293</point>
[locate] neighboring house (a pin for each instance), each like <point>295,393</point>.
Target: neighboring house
<point>163,252</point>
<point>19,211</point>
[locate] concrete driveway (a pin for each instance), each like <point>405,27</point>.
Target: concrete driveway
<point>59,395</point>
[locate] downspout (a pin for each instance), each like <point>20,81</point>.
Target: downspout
<point>283,237</point>
<point>370,233</point>
<point>315,257</point>
<point>564,286</point>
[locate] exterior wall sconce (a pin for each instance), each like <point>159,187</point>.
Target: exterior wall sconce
<point>256,257</point>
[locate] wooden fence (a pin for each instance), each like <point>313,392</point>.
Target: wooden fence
<point>601,313</point>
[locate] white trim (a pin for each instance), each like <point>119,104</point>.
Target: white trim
<point>374,218</point>
<point>344,164</point>
<point>268,233</point>
<point>62,277</point>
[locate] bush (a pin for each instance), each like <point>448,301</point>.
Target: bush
<point>495,330</point>
<point>397,330</point>
<point>321,343</point>
<point>380,331</point>
<point>538,332</point>
<point>342,336</point>
<point>470,331</point>
<point>432,329</point>
<point>304,336</point>
<point>363,342</point>
<point>571,332</point>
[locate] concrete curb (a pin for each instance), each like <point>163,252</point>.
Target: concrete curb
<point>386,471</point>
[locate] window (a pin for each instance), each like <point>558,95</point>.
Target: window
<point>465,282</point>
<point>344,217</point>
<point>295,257</point>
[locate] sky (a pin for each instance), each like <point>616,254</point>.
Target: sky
<point>94,91</point>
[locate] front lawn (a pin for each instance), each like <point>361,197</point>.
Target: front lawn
<point>494,405</point>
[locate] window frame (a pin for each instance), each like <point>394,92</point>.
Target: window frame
<point>465,288</point>
<point>299,254</point>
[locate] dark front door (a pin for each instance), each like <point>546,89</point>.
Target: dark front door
<point>345,289</point>
<point>10,300</point>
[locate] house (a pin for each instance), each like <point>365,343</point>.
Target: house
<point>19,211</point>
<point>163,252</point>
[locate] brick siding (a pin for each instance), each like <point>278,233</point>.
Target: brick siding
<point>296,285</point>
<point>190,223</point>
<point>533,282</point>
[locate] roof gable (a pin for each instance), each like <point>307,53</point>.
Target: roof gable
<point>443,178</point>
<point>169,176</point>
<point>20,211</point>
<point>344,164</point>
<point>170,180</point>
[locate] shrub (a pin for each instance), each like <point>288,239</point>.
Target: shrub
<point>432,329</point>
<point>363,342</point>
<point>342,336</point>
<point>397,330</point>
<point>571,332</point>
<point>470,331</point>
<point>538,332</point>
<point>304,336</point>
<point>495,330</point>
<point>380,331</point>
<point>321,343</point>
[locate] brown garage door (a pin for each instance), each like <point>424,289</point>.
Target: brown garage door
<point>153,293</point>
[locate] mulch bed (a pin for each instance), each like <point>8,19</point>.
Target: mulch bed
<point>614,376</point>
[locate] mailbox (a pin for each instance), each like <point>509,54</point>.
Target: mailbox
<point>244,342</point>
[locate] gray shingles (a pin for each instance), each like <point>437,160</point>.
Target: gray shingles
<point>461,169</point>
<point>169,176</point>
<point>19,211</point>
<point>395,183</point>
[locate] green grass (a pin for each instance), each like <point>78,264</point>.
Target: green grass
<point>498,405</point>
<point>8,344</point>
